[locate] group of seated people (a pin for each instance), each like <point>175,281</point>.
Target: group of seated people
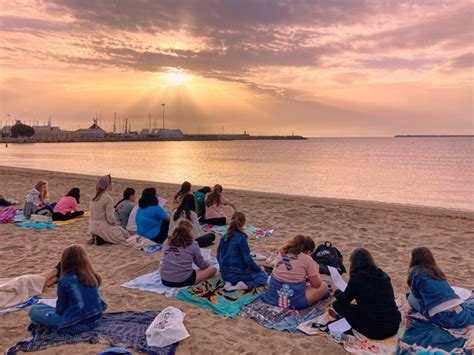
<point>294,282</point>
<point>37,202</point>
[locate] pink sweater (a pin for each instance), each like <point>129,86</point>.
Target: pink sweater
<point>66,204</point>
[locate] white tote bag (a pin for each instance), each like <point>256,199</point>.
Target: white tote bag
<point>167,328</point>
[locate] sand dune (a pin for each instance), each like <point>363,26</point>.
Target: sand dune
<point>388,231</point>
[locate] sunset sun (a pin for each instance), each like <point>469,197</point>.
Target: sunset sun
<point>176,77</point>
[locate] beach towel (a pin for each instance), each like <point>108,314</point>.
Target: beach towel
<point>211,294</point>
<point>152,281</point>
<point>423,337</point>
<point>49,225</point>
<point>7,215</point>
<point>358,343</point>
<point>32,300</point>
<point>278,318</point>
<point>86,215</point>
<point>152,249</point>
<point>125,329</point>
<point>252,232</point>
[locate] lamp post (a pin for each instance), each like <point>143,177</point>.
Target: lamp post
<point>163,117</point>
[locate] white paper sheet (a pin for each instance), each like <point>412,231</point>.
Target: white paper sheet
<point>339,326</point>
<point>463,293</point>
<point>337,279</point>
<point>162,201</point>
<point>49,301</point>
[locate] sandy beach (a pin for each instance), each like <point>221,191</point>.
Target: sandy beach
<point>389,231</point>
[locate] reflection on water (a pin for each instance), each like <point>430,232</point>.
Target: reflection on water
<point>421,171</point>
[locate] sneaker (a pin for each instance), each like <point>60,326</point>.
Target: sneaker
<point>256,256</point>
<point>238,286</point>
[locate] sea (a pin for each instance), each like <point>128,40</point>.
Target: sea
<point>436,172</point>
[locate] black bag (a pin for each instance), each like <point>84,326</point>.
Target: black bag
<point>327,255</point>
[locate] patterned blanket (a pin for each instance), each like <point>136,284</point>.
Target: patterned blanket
<point>152,281</point>
<point>425,337</point>
<point>252,232</point>
<point>211,294</point>
<point>123,328</point>
<point>274,317</point>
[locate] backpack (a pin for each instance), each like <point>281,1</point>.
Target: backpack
<point>327,255</point>
<point>7,215</point>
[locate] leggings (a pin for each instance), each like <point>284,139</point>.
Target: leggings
<point>206,240</point>
<point>161,237</point>
<point>58,216</point>
<point>365,325</point>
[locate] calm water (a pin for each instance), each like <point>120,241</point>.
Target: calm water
<point>420,171</point>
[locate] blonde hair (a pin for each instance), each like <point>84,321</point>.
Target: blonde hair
<point>43,192</point>
<point>182,235</point>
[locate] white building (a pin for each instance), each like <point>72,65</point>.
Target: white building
<point>92,132</point>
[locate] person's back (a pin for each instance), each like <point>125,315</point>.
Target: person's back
<point>194,220</point>
<point>430,291</point>
<point>102,210</point>
<point>77,302</point>
<point>200,199</point>
<point>149,221</point>
<point>176,263</point>
<point>123,211</point>
<point>374,292</point>
<point>65,205</point>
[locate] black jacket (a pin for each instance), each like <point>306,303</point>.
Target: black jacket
<point>373,292</point>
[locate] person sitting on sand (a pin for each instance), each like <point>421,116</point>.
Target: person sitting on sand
<point>183,191</point>
<point>187,210</point>
<point>124,207</point>
<point>79,306</point>
<point>200,198</point>
<point>17,290</point>
<point>103,225</point>
<point>237,267</point>
<point>152,220</point>
<point>179,253</point>
<point>294,267</point>
<point>431,294</point>
<point>375,315</point>
<point>214,203</point>
<point>67,208</point>
<point>7,202</point>
<point>37,201</point>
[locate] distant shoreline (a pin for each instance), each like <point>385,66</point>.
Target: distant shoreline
<point>133,138</point>
<point>434,136</point>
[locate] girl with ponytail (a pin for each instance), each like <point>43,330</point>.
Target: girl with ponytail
<point>237,267</point>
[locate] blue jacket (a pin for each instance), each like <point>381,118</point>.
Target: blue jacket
<point>233,255</point>
<point>77,302</point>
<point>429,291</point>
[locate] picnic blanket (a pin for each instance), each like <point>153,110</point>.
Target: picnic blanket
<point>211,294</point>
<point>278,318</point>
<point>29,302</point>
<point>252,232</point>
<point>152,281</point>
<point>422,336</point>
<point>49,225</point>
<point>123,328</point>
<point>86,215</point>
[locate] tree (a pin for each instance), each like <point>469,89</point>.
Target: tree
<point>22,130</point>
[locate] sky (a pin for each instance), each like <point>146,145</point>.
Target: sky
<point>315,68</point>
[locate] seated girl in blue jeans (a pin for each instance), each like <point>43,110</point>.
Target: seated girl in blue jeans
<point>79,306</point>
<point>294,267</point>
<point>237,267</point>
<point>432,295</point>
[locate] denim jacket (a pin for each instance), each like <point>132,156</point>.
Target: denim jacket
<point>429,291</point>
<point>233,255</point>
<point>77,302</point>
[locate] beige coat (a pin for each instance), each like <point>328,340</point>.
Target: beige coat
<point>20,289</point>
<point>103,223</point>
